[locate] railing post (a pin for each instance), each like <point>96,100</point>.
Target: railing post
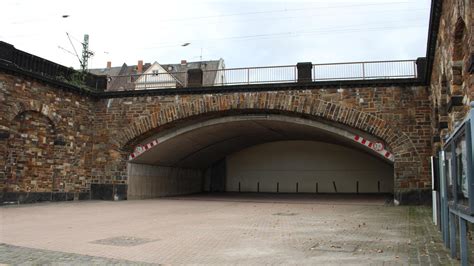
<point>304,71</point>
<point>314,74</point>
<point>363,70</point>
<point>195,77</point>
<point>186,79</point>
<point>146,82</point>
<point>415,74</point>
<point>248,75</point>
<point>421,68</point>
<point>102,83</point>
<point>7,51</point>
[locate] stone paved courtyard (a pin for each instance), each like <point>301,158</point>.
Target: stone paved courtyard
<point>221,229</point>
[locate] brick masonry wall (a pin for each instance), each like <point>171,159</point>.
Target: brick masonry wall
<point>47,138</point>
<point>451,83</point>
<point>32,168</point>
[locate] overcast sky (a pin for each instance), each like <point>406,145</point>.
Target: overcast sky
<point>243,33</point>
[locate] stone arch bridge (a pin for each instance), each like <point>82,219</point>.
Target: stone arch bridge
<point>59,142</point>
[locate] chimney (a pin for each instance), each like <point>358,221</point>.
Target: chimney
<point>184,62</point>
<point>140,67</point>
<point>109,64</point>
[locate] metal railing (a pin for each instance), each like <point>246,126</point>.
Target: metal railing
<point>365,70</point>
<point>147,81</point>
<point>269,75</point>
<point>250,75</point>
<point>46,68</point>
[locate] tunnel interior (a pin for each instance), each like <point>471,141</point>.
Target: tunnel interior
<point>257,153</point>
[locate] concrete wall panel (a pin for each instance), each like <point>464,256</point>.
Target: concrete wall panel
<point>150,181</point>
<point>307,163</point>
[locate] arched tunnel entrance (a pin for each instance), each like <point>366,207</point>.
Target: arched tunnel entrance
<point>259,153</point>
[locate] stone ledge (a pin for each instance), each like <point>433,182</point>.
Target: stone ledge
<point>344,84</point>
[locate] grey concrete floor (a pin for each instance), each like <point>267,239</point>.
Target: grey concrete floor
<point>222,229</point>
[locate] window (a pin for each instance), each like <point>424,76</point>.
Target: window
<point>155,72</point>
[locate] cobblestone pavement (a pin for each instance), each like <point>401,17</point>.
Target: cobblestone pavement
<point>221,230</point>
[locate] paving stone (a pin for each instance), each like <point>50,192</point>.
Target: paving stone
<point>207,229</point>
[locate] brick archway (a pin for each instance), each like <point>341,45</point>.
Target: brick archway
<point>34,106</point>
<point>308,107</point>
<point>31,152</point>
<point>409,180</point>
